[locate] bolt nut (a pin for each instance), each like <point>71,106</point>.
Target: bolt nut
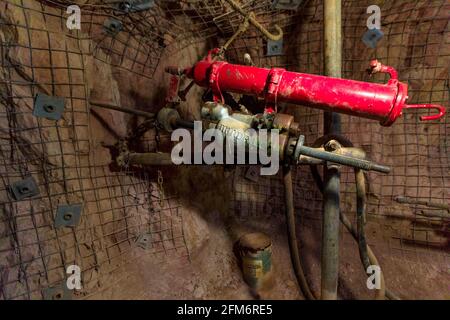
<point>332,146</point>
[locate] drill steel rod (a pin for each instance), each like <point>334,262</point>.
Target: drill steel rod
<point>122,109</point>
<point>150,159</point>
<point>344,160</point>
<point>431,204</point>
<point>332,125</point>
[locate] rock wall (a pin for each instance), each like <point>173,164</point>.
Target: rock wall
<point>194,216</point>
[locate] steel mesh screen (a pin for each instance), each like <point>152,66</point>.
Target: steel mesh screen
<point>38,54</point>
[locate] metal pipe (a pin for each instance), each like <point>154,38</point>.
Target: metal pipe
<point>122,109</point>
<point>333,157</point>
<point>180,123</point>
<point>332,125</point>
<point>146,159</point>
<point>431,204</point>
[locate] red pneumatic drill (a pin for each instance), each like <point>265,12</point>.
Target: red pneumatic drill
<point>382,102</point>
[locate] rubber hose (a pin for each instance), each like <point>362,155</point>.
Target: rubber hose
<point>360,224</point>
<point>293,246</point>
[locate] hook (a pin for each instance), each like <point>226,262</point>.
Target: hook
<point>252,19</point>
<point>440,109</point>
<point>264,31</point>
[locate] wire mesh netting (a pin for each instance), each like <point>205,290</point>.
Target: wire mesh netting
<point>416,43</point>
<point>66,158</point>
<point>39,55</point>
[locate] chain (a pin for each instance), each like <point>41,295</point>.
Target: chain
<point>161,188</point>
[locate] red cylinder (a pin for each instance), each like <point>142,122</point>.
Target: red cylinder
<point>382,102</point>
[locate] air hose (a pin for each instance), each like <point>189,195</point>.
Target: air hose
<point>293,246</point>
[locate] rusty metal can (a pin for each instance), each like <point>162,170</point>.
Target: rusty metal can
<point>255,250</point>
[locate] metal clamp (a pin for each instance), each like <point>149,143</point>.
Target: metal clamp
<point>273,84</point>
<point>214,80</point>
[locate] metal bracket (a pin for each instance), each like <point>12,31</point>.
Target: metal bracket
<point>298,147</point>
<point>48,107</point>
<point>144,241</point>
<point>25,188</point>
<point>68,215</point>
<point>214,81</point>
<point>286,4</point>
<point>112,26</point>
<point>274,48</point>
<point>371,37</point>
<point>136,5</point>
<point>174,88</point>
<point>59,292</point>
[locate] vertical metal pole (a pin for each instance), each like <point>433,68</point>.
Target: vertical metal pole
<point>332,125</point>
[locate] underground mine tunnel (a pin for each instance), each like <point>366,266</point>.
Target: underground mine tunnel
<point>224,149</point>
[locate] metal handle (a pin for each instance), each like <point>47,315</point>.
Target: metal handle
<point>439,108</point>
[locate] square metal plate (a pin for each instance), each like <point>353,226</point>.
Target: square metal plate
<point>372,37</point>
<point>274,48</point>
<point>112,26</point>
<point>144,241</point>
<point>253,173</point>
<point>59,292</point>
<point>68,215</point>
<point>25,188</point>
<point>51,108</point>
